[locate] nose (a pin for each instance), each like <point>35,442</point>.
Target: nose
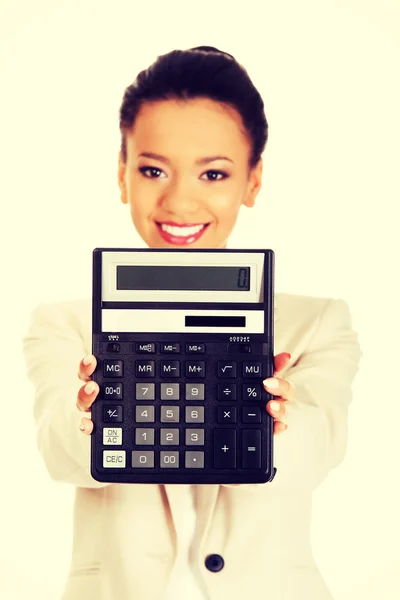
<point>180,198</point>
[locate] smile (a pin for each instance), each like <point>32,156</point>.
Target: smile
<point>181,234</point>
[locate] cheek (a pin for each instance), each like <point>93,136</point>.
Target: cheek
<point>224,206</point>
<point>141,201</point>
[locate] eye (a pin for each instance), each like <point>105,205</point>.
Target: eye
<point>215,175</point>
<point>224,175</point>
<point>152,169</point>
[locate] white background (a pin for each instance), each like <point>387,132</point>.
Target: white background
<point>329,75</point>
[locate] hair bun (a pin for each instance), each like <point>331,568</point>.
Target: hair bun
<point>212,49</point>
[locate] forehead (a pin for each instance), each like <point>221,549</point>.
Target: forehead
<point>199,124</point>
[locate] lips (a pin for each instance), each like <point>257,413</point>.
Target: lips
<point>181,234</point>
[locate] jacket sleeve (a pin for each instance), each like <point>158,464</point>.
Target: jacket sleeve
<point>316,438</point>
<point>53,348</point>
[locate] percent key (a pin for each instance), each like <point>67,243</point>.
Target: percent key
<point>251,392</point>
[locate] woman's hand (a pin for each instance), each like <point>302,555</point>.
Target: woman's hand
<point>283,389</point>
<point>276,408</point>
<point>86,397</point>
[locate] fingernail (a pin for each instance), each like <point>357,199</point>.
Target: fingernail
<point>271,382</point>
<point>288,355</point>
<point>87,360</point>
<point>90,387</point>
<point>274,405</point>
<point>81,426</point>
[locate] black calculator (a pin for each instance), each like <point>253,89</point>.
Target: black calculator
<point>183,340</point>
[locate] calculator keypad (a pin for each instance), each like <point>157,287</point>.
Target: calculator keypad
<point>176,410</point>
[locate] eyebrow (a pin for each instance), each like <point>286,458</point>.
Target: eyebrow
<point>200,161</point>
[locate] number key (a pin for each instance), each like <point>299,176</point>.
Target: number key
<point>169,437</point>
<point>169,414</point>
<point>194,437</point>
<point>144,437</point>
<point>194,414</point>
<point>145,414</point>
<point>145,391</point>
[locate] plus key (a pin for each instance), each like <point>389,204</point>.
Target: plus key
<point>224,448</point>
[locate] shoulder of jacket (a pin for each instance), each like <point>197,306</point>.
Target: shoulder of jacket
<point>302,308</point>
<point>301,303</point>
<point>74,312</point>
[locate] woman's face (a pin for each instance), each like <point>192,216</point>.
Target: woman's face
<point>180,194</point>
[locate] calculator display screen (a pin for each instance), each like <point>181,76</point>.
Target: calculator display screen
<point>140,277</point>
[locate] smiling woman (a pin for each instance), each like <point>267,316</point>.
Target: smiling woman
<point>193,131</point>
<point>204,129</point>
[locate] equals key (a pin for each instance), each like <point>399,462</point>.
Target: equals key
<point>251,449</point>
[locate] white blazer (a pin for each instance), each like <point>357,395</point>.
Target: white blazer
<point>124,543</point>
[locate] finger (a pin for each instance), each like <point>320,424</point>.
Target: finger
<point>280,361</point>
<point>279,427</point>
<point>86,425</point>
<point>277,409</point>
<point>87,395</point>
<point>86,367</point>
<point>280,387</point>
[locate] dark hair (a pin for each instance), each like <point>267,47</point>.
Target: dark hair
<point>203,71</point>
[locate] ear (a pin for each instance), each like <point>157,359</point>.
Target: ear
<point>254,184</point>
<point>121,179</point>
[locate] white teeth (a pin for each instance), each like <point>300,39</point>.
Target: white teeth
<point>181,231</point>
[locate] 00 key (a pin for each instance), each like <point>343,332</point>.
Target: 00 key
<point>113,391</point>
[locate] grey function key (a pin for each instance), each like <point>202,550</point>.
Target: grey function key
<point>194,460</point>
